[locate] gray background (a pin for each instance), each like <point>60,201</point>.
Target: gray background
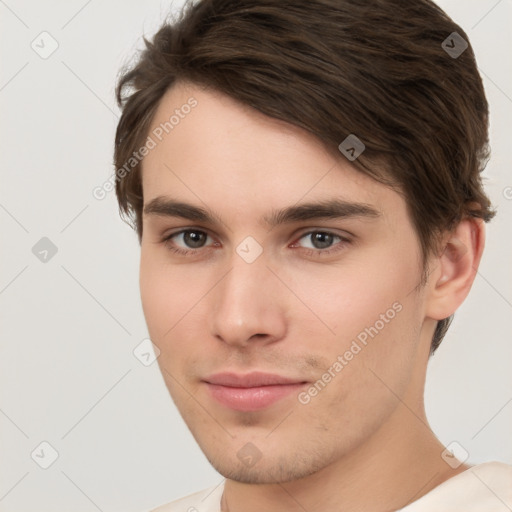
<point>69,325</point>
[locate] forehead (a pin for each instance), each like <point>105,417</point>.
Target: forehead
<point>232,157</point>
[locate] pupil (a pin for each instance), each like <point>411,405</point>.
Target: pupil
<point>324,239</point>
<point>194,239</point>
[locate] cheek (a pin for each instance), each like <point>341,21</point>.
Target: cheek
<point>153,293</point>
<point>170,297</point>
<point>346,300</point>
<point>369,304</point>
<point>368,365</point>
<point>164,291</point>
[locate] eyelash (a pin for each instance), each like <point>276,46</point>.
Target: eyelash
<point>309,252</point>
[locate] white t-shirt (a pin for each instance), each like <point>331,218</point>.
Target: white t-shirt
<point>486,487</point>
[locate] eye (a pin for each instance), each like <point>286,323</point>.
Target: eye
<point>323,242</point>
<point>192,240</point>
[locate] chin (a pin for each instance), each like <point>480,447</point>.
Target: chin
<point>277,470</point>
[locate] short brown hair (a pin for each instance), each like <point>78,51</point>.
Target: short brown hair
<point>379,69</point>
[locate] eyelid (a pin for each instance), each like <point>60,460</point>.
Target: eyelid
<point>336,247</point>
<point>166,237</point>
<point>320,229</point>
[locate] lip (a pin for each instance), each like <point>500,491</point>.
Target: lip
<point>250,392</point>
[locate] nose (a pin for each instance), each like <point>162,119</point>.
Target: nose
<point>249,304</point>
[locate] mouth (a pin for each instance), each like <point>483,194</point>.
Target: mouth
<point>251,392</point>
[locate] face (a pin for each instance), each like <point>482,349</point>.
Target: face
<point>276,330</point>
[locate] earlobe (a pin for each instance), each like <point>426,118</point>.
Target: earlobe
<point>456,268</point>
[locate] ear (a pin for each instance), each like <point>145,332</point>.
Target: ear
<point>454,270</point>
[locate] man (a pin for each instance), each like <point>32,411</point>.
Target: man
<point>304,179</point>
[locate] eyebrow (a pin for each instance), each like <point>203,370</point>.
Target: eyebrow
<point>326,209</point>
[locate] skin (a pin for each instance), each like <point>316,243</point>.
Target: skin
<point>363,442</point>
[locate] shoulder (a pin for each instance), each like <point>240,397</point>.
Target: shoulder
<point>206,500</point>
<point>496,477</point>
<point>485,487</point>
